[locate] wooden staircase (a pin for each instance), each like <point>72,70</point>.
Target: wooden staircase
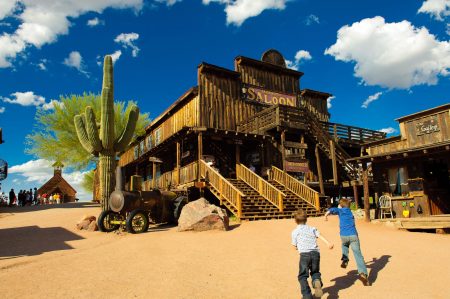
<point>250,197</point>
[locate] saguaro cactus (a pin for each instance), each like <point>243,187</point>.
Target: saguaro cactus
<point>105,145</point>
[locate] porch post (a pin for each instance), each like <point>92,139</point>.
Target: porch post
<point>355,193</point>
<point>178,162</point>
<point>283,149</point>
<point>333,161</point>
<point>365,175</point>
<point>319,171</point>
<point>154,175</point>
<point>199,152</point>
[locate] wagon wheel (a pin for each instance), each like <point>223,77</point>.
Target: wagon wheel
<point>137,222</point>
<point>104,221</point>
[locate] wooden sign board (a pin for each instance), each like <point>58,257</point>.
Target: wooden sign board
<point>296,166</point>
<point>427,126</point>
<point>292,144</point>
<point>260,95</point>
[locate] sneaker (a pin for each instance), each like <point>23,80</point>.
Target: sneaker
<point>344,264</point>
<point>317,285</point>
<point>365,280</point>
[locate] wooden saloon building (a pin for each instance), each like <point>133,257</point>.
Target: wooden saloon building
<point>413,168</point>
<point>261,146</point>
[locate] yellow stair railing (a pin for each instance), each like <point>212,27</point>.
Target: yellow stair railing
<point>226,190</point>
<point>264,188</point>
<point>308,194</point>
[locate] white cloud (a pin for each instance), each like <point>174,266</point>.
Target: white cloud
<point>116,55</point>
<point>7,7</point>
<point>42,21</point>
<point>42,65</point>
<point>371,99</point>
<point>312,19</point>
<point>51,105</point>
<point>75,60</point>
<point>393,55</point>
<point>169,2</point>
<point>240,10</point>
<point>329,105</point>
<point>27,98</point>
<point>95,22</point>
<point>389,130</point>
<point>300,56</point>
<point>437,8</point>
<point>127,41</point>
<point>40,171</point>
<point>2,109</point>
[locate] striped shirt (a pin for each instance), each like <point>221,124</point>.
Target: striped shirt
<point>304,237</point>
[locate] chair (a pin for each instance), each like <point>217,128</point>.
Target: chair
<point>385,204</point>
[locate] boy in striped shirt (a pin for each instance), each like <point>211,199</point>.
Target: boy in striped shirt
<point>304,238</point>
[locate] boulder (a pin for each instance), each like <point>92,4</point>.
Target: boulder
<point>200,215</point>
<point>84,224</point>
<point>87,223</point>
<point>93,226</point>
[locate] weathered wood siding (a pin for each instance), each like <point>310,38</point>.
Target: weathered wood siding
<point>410,138</point>
<point>415,140</point>
<point>221,106</point>
<point>268,79</point>
<point>186,116</point>
<point>316,105</point>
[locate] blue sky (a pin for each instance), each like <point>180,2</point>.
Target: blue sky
<point>392,57</point>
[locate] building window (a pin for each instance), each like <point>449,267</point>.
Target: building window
<point>398,181</point>
<point>136,151</point>
<point>149,142</point>
<point>142,147</point>
<point>158,136</point>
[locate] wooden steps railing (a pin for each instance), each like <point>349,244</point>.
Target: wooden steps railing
<point>308,194</point>
<point>226,190</point>
<point>168,179</point>
<point>264,188</point>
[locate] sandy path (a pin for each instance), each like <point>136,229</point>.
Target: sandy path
<point>42,255</point>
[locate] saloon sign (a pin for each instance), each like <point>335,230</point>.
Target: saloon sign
<point>427,126</point>
<point>296,166</point>
<point>269,97</point>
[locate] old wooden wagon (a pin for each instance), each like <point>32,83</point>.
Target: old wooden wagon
<point>259,144</point>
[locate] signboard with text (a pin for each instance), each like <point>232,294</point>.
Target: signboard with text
<point>264,96</point>
<point>427,126</point>
<point>296,166</point>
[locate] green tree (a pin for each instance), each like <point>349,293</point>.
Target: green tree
<point>54,136</point>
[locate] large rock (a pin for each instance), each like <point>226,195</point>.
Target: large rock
<point>87,223</point>
<point>200,215</point>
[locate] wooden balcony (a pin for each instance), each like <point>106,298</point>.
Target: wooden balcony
<point>273,117</point>
<point>296,118</point>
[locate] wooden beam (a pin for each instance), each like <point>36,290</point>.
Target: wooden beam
<point>334,163</point>
<point>178,161</point>
<point>319,170</point>
<point>200,152</point>
<point>355,194</point>
<point>365,175</point>
<point>283,149</point>
<point>154,175</point>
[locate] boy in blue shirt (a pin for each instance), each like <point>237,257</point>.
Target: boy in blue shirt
<point>349,238</point>
<point>304,238</point>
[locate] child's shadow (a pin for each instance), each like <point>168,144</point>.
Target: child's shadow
<point>346,281</point>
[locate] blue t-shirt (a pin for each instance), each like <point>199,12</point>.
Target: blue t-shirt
<point>346,221</point>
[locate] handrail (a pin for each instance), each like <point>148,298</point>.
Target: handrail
<point>308,194</point>
<point>188,174</point>
<point>267,190</point>
<point>226,190</point>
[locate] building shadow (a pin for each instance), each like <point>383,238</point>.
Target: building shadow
<point>33,240</point>
<point>69,205</point>
<point>346,281</point>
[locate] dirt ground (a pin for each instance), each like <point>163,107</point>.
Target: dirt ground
<point>42,255</point>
